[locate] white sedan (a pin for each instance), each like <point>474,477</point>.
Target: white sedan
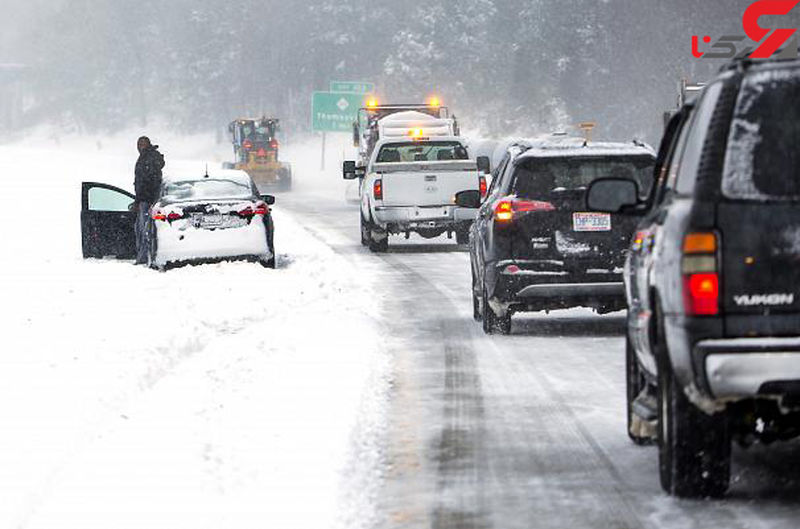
<point>196,219</point>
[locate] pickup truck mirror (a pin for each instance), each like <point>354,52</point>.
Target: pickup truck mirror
<point>356,135</point>
<point>484,165</point>
<point>349,170</point>
<point>268,199</point>
<point>612,195</point>
<point>469,199</point>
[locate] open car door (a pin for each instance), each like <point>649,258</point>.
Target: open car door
<point>106,222</point>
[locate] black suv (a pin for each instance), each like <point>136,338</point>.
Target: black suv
<point>713,334</point>
<point>534,246</point>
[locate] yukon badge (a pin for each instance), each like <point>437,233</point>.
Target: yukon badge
<point>771,300</point>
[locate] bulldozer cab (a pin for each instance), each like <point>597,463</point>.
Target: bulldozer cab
<point>255,146</point>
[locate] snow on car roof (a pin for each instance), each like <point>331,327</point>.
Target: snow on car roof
<point>560,146</point>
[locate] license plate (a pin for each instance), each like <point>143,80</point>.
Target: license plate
<point>213,219</point>
<point>591,222</point>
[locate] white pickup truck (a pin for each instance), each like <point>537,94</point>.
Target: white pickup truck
<point>409,186</point>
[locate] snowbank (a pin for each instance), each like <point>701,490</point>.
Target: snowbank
<point>215,396</point>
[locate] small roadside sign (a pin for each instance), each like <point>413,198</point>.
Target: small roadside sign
<point>353,87</point>
<point>335,111</point>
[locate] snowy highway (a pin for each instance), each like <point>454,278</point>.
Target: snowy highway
<point>344,389</point>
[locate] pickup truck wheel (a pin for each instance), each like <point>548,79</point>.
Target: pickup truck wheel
<point>365,231</point>
<point>492,323</point>
<point>694,449</point>
<point>634,384</point>
<point>380,246</point>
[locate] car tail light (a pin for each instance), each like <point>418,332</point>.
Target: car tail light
<point>247,144</point>
<point>505,209</point>
<point>482,185</point>
<point>377,189</point>
<point>260,208</point>
<point>512,269</point>
<point>700,274</point>
<point>273,144</point>
<point>171,216</point>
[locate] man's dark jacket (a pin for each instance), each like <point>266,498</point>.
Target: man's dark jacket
<point>148,175</point>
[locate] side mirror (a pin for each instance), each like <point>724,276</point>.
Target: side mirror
<point>612,195</point>
<point>268,199</point>
<point>468,199</point>
<point>349,170</point>
<point>356,134</point>
<point>484,165</point>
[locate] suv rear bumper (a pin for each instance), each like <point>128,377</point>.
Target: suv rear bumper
<point>531,289</point>
<point>749,367</point>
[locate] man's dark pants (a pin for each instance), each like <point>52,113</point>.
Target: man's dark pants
<point>142,229</point>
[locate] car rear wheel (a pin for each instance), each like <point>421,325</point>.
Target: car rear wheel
<point>476,303</point>
<point>462,236</point>
<point>377,245</point>
<point>635,384</point>
<point>492,323</point>
<point>694,449</point>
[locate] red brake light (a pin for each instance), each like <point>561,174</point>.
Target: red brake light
<point>260,208</point>
<point>701,294</point>
<point>273,144</point>
<point>482,185</point>
<point>700,274</point>
<point>247,144</point>
<point>158,215</point>
<point>377,189</point>
<point>174,216</point>
<point>505,209</point>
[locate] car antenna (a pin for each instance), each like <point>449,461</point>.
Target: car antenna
<point>206,170</point>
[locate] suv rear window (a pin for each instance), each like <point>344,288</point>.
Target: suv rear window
<point>538,177</point>
<point>763,158</point>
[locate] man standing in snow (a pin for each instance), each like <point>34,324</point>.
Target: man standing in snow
<point>147,184</point>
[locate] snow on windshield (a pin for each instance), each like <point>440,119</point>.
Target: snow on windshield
<point>205,189</point>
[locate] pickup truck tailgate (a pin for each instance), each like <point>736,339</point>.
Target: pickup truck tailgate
<point>426,184</point>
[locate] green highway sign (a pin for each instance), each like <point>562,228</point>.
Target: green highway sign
<point>335,111</point>
<point>353,87</point>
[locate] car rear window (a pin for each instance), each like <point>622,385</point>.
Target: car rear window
<point>539,177</point>
<point>422,152</point>
<point>206,189</point>
<point>763,157</point>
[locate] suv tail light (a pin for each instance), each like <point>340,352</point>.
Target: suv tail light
<point>482,185</point>
<point>247,145</point>
<point>377,189</point>
<point>505,209</point>
<point>700,274</point>
<point>273,144</point>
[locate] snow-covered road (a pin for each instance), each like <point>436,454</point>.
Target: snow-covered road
<point>526,430</point>
<point>343,389</point>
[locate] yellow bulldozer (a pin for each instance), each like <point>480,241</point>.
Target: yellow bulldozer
<point>256,147</point>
